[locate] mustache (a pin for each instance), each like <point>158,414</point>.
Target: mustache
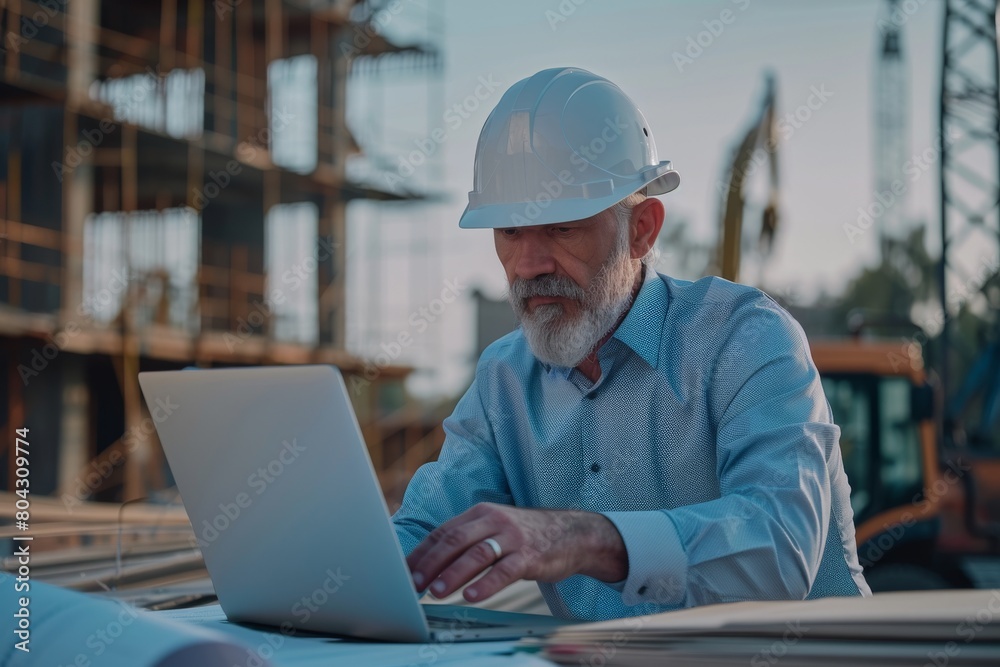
<point>549,285</point>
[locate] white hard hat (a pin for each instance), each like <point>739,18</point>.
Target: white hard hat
<point>562,145</point>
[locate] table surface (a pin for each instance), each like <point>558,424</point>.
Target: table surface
<point>313,651</point>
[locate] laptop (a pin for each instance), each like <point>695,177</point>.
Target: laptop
<point>276,479</point>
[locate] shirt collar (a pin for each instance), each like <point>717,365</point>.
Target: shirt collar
<point>640,329</point>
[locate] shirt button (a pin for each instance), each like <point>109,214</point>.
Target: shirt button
<point>595,468</point>
<point>642,590</point>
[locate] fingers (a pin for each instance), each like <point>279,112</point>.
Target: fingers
<point>505,572</point>
<point>446,544</point>
<point>476,559</point>
<point>430,543</point>
<point>455,554</point>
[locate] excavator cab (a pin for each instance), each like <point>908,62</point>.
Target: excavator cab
<point>880,440</point>
<point>880,398</point>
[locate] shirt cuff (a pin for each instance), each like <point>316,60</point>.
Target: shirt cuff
<point>657,564</point>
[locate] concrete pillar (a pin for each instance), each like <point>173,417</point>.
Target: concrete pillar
<point>73,442</point>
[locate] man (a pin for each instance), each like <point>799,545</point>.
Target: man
<point>641,443</point>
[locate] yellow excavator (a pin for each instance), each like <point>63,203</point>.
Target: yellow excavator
<point>757,146</point>
<point>923,517</point>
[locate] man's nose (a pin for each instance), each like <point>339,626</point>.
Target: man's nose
<point>534,259</point>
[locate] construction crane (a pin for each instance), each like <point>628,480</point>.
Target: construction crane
<point>890,124</point>
<point>969,133</point>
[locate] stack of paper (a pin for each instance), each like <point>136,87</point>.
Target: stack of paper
<point>933,629</point>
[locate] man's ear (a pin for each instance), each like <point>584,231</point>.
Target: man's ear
<point>647,220</point>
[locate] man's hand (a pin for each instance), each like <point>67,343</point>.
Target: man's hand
<point>540,545</point>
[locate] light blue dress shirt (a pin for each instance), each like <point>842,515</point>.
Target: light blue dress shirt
<point>707,441</point>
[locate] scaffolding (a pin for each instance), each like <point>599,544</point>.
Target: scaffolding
<point>173,193</point>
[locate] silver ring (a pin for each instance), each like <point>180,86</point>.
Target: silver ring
<point>493,544</point>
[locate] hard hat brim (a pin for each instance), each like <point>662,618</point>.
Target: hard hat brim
<point>548,211</point>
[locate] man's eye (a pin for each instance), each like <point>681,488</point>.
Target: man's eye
<point>564,230</point>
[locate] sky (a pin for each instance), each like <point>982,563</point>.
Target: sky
<point>697,99</point>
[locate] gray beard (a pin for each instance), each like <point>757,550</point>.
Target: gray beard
<point>558,340</point>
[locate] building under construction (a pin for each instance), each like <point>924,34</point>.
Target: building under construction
<point>173,193</point>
